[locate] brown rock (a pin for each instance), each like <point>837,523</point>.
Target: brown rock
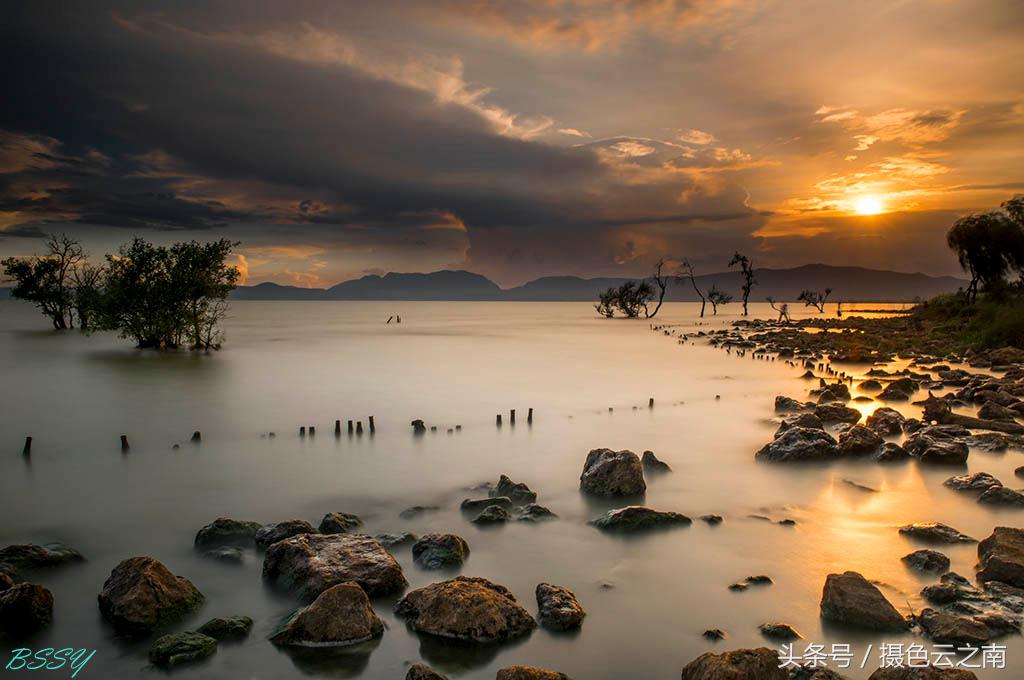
<point>419,671</point>
<point>558,607</point>
<point>24,609</point>
<point>466,608</point>
<point>528,673</point>
<point>613,473</point>
<point>923,673</point>
<point>849,598</point>
<point>1001,556</point>
<point>312,563</point>
<point>142,595</point>
<point>341,615</point>
<point>740,664</point>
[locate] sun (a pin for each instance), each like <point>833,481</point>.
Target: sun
<point>869,205</point>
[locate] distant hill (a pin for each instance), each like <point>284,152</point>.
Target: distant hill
<point>849,284</point>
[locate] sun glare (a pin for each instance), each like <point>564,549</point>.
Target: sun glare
<point>869,205</point>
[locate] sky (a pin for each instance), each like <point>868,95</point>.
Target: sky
<point>517,138</point>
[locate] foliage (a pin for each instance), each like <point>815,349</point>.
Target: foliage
<point>747,269</point>
<point>814,299</point>
<point>989,245</point>
<point>56,282</point>
<point>631,298</point>
<point>717,297</point>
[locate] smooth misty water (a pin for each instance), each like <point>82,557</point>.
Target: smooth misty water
<point>291,364</point>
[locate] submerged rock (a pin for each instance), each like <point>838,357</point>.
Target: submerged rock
<point>927,560</point>
<point>1001,557</point>
<point>440,551</point>
<point>886,421</point>
<point>27,557</point>
<point>178,649</point>
<point>417,510</point>
<point>492,515</point>
<point>714,634</point>
<point>837,413</point>
<point>558,607</point>
<point>978,481</point>
<point>859,441</point>
<point>613,473</point>
<point>803,420</point>
<point>987,441</point>
<point>339,616</point>
<point>651,463</point>
<point>634,518</point>
<point>899,390</point>
<point>227,532</point>
<point>142,595</point>
<point>395,540</point>
<point>779,631</point>
<point>229,628</point>
<point>528,673</point>
<point>270,534</point>
<point>1000,495</point>
<point>849,598</point>
<point>517,492</point>
<point>419,671</point>
<point>891,453</point>
<point>935,532</point>
<point>339,523</point>
<point>535,513</point>
<point>799,444</point>
<point>946,628</point>
<point>712,520</point>
<point>477,504</point>
<point>226,554</point>
<point>24,609</point>
<point>739,664</point>
<point>930,449</point>
<point>312,563</point>
<point>788,405</point>
<point>466,608</point>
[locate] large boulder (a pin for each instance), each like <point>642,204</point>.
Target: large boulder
<point>977,481</point>
<point>558,608</point>
<point>178,649</point>
<point>227,532</point>
<point>927,560</point>
<point>799,444</point>
<point>270,534</point>
<point>440,551</point>
<point>653,464</point>
<point>739,664</point>
<point>528,673</point>
<point>635,518</point>
<point>24,609</point>
<point>802,420</point>
<point>1001,557</point>
<point>886,421</point>
<point>935,532</point>
<point>613,473</point>
<point>936,451</point>
<point>311,563</point>
<point>466,608</point>
<point>227,628</point>
<point>142,595</point>
<point>492,515</point>
<point>849,599</point>
<point>339,523</point>
<point>27,557</point>
<point>517,492</point>
<point>339,616</point>
<point>1000,495</point>
<point>859,441</point>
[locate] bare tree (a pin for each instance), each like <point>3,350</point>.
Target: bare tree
<point>782,309</point>
<point>814,299</point>
<point>686,272</point>
<point>661,280</point>
<point>747,269</point>
<point>46,280</point>
<point>605,303</point>
<point>717,297</point>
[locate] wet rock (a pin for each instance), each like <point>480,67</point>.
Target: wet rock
<point>713,520</point>
<point>837,413</point>
<point>810,672</point>
<point>312,563</point>
<point>339,616</point>
<point>929,449</point>
<point>558,607</point>
<point>890,452</point>
<point>535,513</point>
<point>227,628</point>
<point>803,420</point>
<point>886,421</point>
<point>466,608</point>
<point>492,515</point>
<point>226,554</point>
<point>419,671</point>
<point>760,580</point>
<point>142,595</point>
<point>440,551</point>
<point>270,534</point>
<point>1000,495</point>
<point>946,628</point>
<point>339,523</point>
<point>517,492</point>
<point>788,405</point>
<point>922,673</point>
<point>859,441</point>
<point>787,522</point>
<point>418,426</point>
<point>739,664</point>
<point>396,540</point>
<point>987,441</point>
<point>24,609</point>
<point>927,560</point>
<point>651,463</point>
<point>5,581</point>
<point>613,473</point>
<point>528,673</point>
<point>849,598</point>
<point>899,390</point>
<point>227,532</point>
<point>738,586</point>
<point>799,444</point>
<point>871,385</point>
<point>1004,356</point>
<point>178,649</point>
<point>27,557</point>
<point>990,410</point>
<point>417,510</point>
<point>636,518</point>
<point>935,532</point>
<point>714,634</point>
<point>478,504</point>
<point>1001,557</point>
<point>779,631</point>
<point>978,481</point>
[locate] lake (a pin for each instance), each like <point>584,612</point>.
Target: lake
<point>293,364</point>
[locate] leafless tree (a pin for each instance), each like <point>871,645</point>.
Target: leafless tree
<point>747,269</point>
<point>814,299</point>
<point>686,272</point>
<point>781,308</point>
<point>717,297</point>
<point>661,280</point>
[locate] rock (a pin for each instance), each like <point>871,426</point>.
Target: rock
<point>1004,356</point>
<point>799,444</point>
<point>713,520</point>
<point>178,649</point>
<point>1001,557</point>
<point>714,634</point>
<point>396,540</point>
<point>837,413</point>
<point>760,580</point>
<point>929,449</point>
<point>1000,495</point>
<point>946,628</point>
<point>227,532</point>
<point>886,421</point>
<point>613,473</point>
<point>339,616</point>
<point>27,557</point>
<point>803,420</point>
<point>899,390</point>
<point>859,441</point>
<point>417,510</point>
<point>739,664</point>
<point>849,598</point>
<point>788,405</point>
<point>978,481</point>
<point>779,631</point>
<point>922,673</point>
<point>338,523</point>
<point>5,581</point>
<point>477,504</point>
<point>935,532</point>
<point>787,522</point>
<point>871,385</point>
<point>492,515</point>
<point>890,453</point>
<point>737,587</point>
<point>419,671</point>
<point>558,607</point>
<point>993,411</point>
<point>517,492</point>
<point>270,534</point>
<point>528,673</point>
<point>652,464</point>
<point>24,609</point>
<point>312,563</point>
<point>418,427</point>
<point>226,554</point>
<point>834,392</point>
<point>635,518</point>
<point>535,513</point>
<point>229,628</point>
<point>142,595</point>
<point>1019,472</point>
<point>440,551</point>
<point>466,608</point>
<point>927,560</point>
<point>992,442</point>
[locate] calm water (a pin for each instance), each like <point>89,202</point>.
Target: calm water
<point>290,364</point>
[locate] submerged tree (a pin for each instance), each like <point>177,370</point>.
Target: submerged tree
<point>747,269</point>
<point>686,272</point>
<point>634,297</point>
<point>814,299</point>
<point>606,303</point>
<point>51,281</point>
<point>661,280</point>
<point>782,309</point>
<point>989,245</point>
<point>717,298</point>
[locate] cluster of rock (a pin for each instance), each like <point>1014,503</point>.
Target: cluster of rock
<point>506,501</point>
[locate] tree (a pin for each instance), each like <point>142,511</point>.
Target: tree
<point>204,281</point>
<point>717,297</point>
<point>47,281</point>
<point>686,271</point>
<point>814,299</point>
<point>782,309</point>
<point>606,302</point>
<point>661,280</point>
<point>747,269</point>
<point>989,245</point>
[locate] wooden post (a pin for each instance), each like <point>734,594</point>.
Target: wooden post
<point>497,420</point>
<point>512,417</point>
<point>124,442</point>
<point>312,430</point>
<point>373,427</point>
<point>359,427</point>
<point>302,431</point>
<point>529,416</point>
<point>197,437</point>
<point>337,428</point>
<point>27,451</point>
<point>350,427</point>
<point>650,403</point>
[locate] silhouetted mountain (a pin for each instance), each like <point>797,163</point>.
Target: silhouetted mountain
<point>850,284</point>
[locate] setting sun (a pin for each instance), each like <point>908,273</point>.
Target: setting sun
<point>869,205</point>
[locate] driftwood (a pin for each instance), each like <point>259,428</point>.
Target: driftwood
<point>940,411</point>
